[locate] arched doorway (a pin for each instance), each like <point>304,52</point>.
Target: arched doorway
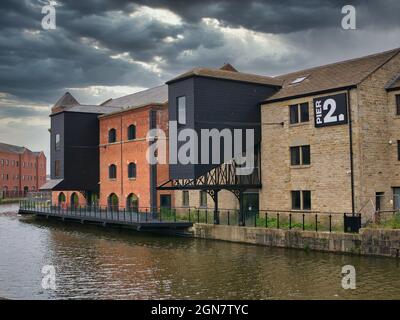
<point>26,190</point>
<point>74,200</point>
<point>61,198</point>
<point>132,203</point>
<point>113,202</point>
<point>5,192</point>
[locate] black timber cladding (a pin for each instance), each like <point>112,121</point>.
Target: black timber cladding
<point>216,103</point>
<point>79,150</point>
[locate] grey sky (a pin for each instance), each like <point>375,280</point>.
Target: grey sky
<point>104,49</point>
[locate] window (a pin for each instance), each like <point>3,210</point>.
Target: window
<point>185,198</point>
<point>398,104</point>
<point>112,171</point>
<point>300,155</point>
<point>306,200</point>
<point>203,199</point>
<point>296,200</point>
<point>398,150</point>
<point>299,113</point>
<point>305,155</point>
<point>304,117</point>
<point>112,136</point>
<point>181,102</point>
<point>132,170</point>
<point>58,142</point>
<point>294,113</point>
<point>295,156</point>
<point>301,200</point>
<point>132,132</point>
<point>57,169</point>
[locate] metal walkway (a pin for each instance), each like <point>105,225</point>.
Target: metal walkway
<point>134,220</point>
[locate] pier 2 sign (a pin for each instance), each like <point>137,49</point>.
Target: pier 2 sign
<point>330,110</point>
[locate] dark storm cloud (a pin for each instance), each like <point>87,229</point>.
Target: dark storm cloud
<point>39,66</point>
<point>22,112</point>
<point>272,16</point>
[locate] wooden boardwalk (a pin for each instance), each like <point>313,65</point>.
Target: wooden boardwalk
<point>138,221</point>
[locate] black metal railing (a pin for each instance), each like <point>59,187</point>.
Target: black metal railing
<point>107,213</point>
<point>274,219</point>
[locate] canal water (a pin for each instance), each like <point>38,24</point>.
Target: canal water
<point>99,263</point>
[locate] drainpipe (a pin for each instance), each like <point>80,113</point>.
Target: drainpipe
<point>122,198</point>
<point>351,152</point>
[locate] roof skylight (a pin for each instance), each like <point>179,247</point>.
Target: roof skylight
<point>298,80</point>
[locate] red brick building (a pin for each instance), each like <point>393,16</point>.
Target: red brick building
<point>127,180</point>
<point>21,170</point>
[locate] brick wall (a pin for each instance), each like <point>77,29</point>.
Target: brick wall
<point>19,172</point>
<point>68,195</point>
<point>121,154</point>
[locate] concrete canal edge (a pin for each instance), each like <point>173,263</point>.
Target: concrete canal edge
<point>371,242</point>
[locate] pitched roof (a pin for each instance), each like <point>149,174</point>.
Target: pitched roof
<point>9,148</point>
<point>228,75</point>
<point>394,84</point>
<point>66,101</point>
<point>228,67</point>
<point>84,108</point>
<point>4,147</point>
<point>332,76</point>
<point>153,95</point>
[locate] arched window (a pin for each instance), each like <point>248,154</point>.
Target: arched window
<point>112,171</point>
<point>132,170</point>
<point>132,132</point>
<point>113,202</point>
<point>132,203</point>
<point>112,136</point>
<point>61,198</point>
<point>74,200</point>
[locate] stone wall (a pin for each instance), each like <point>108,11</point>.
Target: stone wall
<point>328,175</point>
<point>376,130</point>
<point>378,126</point>
<point>226,200</point>
<point>375,242</point>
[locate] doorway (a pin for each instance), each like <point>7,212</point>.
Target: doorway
<point>250,207</point>
<point>378,201</point>
<point>165,201</point>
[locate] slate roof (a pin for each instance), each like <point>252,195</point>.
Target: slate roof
<point>228,75</point>
<point>154,95</point>
<point>332,76</point>
<point>9,148</point>
<point>92,109</point>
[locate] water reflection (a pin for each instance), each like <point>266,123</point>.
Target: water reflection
<point>96,263</point>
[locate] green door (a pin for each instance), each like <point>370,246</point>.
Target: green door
<point>250,206</point>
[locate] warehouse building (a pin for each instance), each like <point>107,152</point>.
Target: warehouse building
<point>338,149</point>
<point>325,139</point>
<point>21,170</point>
